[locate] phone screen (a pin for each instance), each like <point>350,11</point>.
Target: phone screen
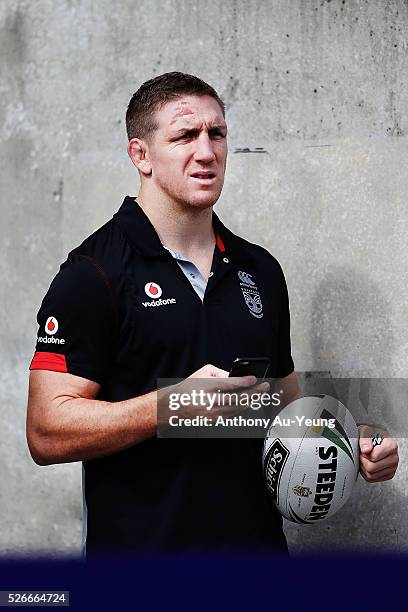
<point>255,366</point>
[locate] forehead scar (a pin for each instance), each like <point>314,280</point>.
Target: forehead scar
<point>181,111</point>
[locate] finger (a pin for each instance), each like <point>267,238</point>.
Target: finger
<point>205,383</point>
<point>254,392</point>
<point>387,447</point>
<point>216,372</point>
<point>237,382</point>
<point>376,451</point>
<point>366,445</point>
<point>209,371</point>
<point>378,476</point>
<point>391,461</point>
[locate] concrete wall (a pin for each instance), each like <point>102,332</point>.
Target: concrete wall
<point>321,87</point>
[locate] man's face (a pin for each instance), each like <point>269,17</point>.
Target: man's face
<point>188,151</point>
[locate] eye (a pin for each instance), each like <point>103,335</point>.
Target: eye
<point>217,134</point>
<point>185,135</point>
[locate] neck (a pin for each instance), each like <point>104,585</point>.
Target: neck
<point>185,230</point>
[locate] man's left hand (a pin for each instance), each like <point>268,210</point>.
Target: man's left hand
<point>379,462</point>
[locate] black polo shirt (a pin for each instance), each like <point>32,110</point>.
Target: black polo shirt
<point>122,313</point>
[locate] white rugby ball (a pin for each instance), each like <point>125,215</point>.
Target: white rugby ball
<point>311,458</point>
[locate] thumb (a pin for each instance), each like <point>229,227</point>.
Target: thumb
<point>366,445</point>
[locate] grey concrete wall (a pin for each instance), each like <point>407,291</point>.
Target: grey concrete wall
<point>321,86</point>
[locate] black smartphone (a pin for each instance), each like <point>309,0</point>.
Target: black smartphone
<point>255,366</point>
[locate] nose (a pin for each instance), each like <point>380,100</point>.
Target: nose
<point>204,151</point>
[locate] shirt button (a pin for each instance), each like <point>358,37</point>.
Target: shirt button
<point>211,274</point>
<point>192,275</point>
<point>225,260</point>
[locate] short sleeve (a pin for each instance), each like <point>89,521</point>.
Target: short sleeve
<point>285,361</point>
<point>77,322</point>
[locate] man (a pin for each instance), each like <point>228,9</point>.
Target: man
<point>164,290</point>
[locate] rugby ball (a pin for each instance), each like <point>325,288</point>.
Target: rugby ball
<point>311,458</point>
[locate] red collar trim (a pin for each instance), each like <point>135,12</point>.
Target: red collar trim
<point>220,243</point>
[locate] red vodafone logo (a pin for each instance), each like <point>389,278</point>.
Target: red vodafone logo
<point>51,326</point>
<point>153,290</point>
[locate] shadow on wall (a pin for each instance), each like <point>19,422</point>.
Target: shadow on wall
<point>351,336</point>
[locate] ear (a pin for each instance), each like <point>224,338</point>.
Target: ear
<point>138,152</point>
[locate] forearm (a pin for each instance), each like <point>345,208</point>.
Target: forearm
<point>289,389</point>
<point>82,429</point>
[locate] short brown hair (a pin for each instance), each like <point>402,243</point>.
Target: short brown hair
<point>155,93</point>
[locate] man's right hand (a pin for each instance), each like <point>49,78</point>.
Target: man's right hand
<point>207,392</point>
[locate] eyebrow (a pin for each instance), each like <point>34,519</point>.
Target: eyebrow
<point>221,126</point>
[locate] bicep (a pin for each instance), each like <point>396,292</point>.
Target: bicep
<point>48,390</point>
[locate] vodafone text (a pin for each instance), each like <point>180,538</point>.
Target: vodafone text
<point>50,340</point>
<point>159,302</point>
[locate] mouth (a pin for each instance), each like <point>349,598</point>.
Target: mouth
<point>204,176</point>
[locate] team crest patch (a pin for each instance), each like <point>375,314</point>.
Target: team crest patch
<point>301,491</point>
<point>251,294</point>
